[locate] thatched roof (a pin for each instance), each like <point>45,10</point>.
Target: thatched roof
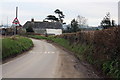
<point>43,25</point>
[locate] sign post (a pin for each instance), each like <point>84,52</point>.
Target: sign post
<point>16,22</point>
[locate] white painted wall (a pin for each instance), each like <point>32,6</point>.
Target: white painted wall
<point>54,31</point>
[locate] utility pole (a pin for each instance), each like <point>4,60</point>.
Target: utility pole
<point>119,13</point>
<point>7,21</point>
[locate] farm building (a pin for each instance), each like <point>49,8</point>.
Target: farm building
<point>50,28</point>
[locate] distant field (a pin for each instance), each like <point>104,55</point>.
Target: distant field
<point>14,45</point>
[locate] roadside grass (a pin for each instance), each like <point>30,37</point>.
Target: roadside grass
<point>14,45</point>
<point>37,37</point>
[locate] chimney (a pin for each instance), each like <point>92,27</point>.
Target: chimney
<point>32,20</point>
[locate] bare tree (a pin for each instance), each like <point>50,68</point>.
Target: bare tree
<point>82,21</point>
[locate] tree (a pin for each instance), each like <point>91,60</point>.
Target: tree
<point>82,21</point>
<point>60,15</point>
<point>52,18</point>
<point>29,29</point>
<point>74,25</point>
<point>106,23</point>
<point>113,23</point>
<point>68,28</point>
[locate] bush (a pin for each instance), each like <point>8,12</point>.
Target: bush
<point>29,29</point>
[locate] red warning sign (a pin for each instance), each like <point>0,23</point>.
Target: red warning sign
<point>15,21</point>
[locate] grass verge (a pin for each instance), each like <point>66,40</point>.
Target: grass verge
<point>14,45</point>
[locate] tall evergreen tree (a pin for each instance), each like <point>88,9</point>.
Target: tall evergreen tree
<point>74,26</point>
<point>106,23</point>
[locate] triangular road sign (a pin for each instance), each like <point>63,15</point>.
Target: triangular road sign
<point>15,21</point>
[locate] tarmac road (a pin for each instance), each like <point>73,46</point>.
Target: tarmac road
<point>40,62</point>
<point>46,60</point>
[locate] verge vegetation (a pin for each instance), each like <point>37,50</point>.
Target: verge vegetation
<point>14,45</point>
<point>99,48</point>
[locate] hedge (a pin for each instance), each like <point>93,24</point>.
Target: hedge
<point>103,50</point>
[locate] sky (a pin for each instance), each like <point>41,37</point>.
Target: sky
<point>92,10</point>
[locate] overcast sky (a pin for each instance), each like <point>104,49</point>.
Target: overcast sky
<point>93,10</point>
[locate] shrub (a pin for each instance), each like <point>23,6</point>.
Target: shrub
<point>29,29</point>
